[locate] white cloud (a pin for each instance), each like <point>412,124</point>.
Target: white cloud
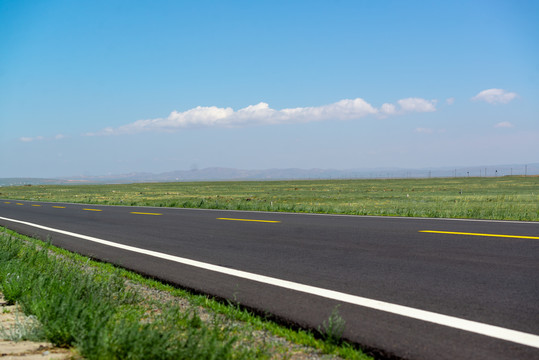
<point>450,101</point>
<point>424,130</point>
<point>388,109</point>
<point>38,138</point>
<point>407,105</point>
<point>30,139</point>
<point>504,124</point>
<point>495,96</point>
<point>262,114</point>
<point>417,105</point>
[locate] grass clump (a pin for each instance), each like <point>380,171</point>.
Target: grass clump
<point>26,328</point>
<point>133,339</point>
<point>333,328</point>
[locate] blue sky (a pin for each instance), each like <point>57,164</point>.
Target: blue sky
<point>100,87</point>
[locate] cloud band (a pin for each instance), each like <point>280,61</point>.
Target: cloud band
<point>262,114</point>
<point>495,96</point>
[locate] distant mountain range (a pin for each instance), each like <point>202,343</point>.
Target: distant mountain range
<point>223,174</point>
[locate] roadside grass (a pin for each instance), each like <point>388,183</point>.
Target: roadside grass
<point>105,312</point>
<point>497,198</point>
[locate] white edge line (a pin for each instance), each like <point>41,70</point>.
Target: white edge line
<point>440,319</point>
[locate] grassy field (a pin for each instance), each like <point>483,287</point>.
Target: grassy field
<point>104,312</point>
<point>502,198</point>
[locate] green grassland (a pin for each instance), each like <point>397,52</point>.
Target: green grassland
<point>502,198</point>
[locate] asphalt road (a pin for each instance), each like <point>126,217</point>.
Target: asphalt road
<point>465,289</point>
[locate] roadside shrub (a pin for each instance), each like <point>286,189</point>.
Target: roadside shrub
<point>95,312</point>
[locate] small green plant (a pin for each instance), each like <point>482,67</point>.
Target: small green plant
<point>24,328</point>
<point>333,329</point>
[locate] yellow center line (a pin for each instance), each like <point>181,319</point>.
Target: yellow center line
<point>18,204</point>
<point>35,205</point>
<point>59,207</point>
<point>7,202</point>
<point>92,209</point>
<point>478,234</point>
<point>265,221</point>
<point>144,213</point>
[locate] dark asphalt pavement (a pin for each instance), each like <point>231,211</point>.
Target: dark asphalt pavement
<point>486,279</point>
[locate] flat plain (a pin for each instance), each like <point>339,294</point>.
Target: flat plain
<point>495,198</point>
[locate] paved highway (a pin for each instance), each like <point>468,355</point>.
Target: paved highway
<point>408,287</point>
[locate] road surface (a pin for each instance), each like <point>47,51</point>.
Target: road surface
<point>406,287</point>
